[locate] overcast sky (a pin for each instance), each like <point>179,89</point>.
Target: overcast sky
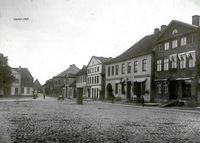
<point>46,36</point>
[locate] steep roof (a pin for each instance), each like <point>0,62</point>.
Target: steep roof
<point>142,47</point>
<point>103,59</point>
<point>83,71</point>
<point>37,85</point>
<point>187,25</point>
<point>26,77</point>
<point>71,70</point>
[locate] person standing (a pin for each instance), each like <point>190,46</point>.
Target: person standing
<point>142,100</point>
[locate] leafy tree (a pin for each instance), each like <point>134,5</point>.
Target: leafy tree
<point>6,77</point>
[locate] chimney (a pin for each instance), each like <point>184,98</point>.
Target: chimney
<point>73,65</point>
<point>156,30</point>
<point>196,20</point>
<point>163,27</point>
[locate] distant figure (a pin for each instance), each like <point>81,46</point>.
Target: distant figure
<point>44,95</point>
<point>142,100</point>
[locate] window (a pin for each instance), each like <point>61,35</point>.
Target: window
<point>108,71</point>
<point>165,87</point>
<point>97,79</point>
<point>183,41</point>
<point>174,31</point>
<point>28,91</point>
<point>159,65</point>
<point>160,47</point>
<point>113,68</point>
<point>173,59</point>
<point>166,64</point>
<point>144,65</point>
<point>22,90</point>
<point>116,69</point>
<point>166,46</point>
<point>174,43</point>
<point>97,69</point>
<point>116,88</point>
<point>136,66</point>
<point>182,59</point>
<point>92,80</point>
<point>159,87</point>
<point>129,67</point>
<point>123,68</point>
<point>192,59</point>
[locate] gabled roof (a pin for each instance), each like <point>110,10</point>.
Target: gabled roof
<point>101,59</point>
<point>71,70</point>
<point>142,47</point>
<point>189,26</point>
<point>37,85</point>
<point>26,77</point>
<point>83,71</point>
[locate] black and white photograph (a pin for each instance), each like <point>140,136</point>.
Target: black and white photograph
<point>99,71</point>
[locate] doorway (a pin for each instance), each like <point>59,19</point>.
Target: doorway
<point>173,89</point>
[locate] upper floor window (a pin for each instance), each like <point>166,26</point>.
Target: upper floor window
<point>182,59</point>
<point>108,71</point>
<point>183,41</point>
<point>144,64</point>
<point>123,68</point>
<point>192,59</point>
<point>97,79</point>
<point>173,59</point>
<point>159,65</point>
<point>98,69</point>
<point>166,64</point>
<point>113,70</point>
<point>116,69</point>
<point>174,31</point>
<point>174,43</point>
<point>129,67</point>
<point>166,46</point>
<point>136,66</point>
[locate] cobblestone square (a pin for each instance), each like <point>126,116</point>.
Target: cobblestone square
<point>49,120</point>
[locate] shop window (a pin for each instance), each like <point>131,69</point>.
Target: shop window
<point>159,88</point>
<point>186,88</point>
<point>165,87</point>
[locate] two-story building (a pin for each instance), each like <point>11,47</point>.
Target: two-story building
<point>130,74</point>
<point>96,77</point>
<point>64,83</point>
<point>23,82</point>
<point>81,78</point>
<point>177,61</point>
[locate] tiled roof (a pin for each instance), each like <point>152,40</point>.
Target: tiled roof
<point>26,77</point>
<point>37,85</point>
<point>83,71</point>
<point>71,70</point>
<point>103,59</point>
<point>142,47</point>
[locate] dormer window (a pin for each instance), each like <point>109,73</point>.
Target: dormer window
<point>174,31</point>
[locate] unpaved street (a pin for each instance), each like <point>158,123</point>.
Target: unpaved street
<point>49,120</point>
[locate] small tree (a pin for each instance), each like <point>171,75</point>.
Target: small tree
<point>6,77</point>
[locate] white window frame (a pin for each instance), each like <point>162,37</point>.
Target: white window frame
<point>183,41</point>
<point>166,46</point>
<point>174,43</point>
<point>166,64</point>
<point>159,65</point>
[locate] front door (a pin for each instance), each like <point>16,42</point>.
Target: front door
<point>173,89</point>
<point>128,96</point>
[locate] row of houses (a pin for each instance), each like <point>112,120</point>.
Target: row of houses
<point>162,66</point>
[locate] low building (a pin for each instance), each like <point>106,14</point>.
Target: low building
<point>37,86</point>
<point>81,84</point>
<point>129,75</point>
<point>23,82</point>
<point>96,77</point>
<point>177,61</point>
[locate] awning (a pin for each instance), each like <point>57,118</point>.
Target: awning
<point>139,79</point>
<point>160,79</point>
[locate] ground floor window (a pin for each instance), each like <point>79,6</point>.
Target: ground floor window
<point>165,87</point>
<point>22,90</point>
<point>162,87</point>
<point>28,90</point>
